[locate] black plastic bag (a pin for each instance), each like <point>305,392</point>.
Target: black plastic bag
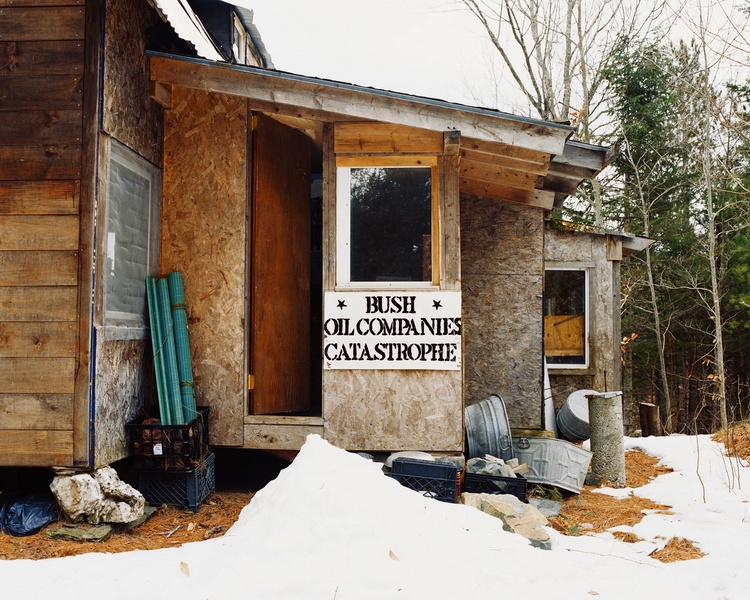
<point>27,515</point>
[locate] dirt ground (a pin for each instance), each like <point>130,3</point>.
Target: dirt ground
<point>587,512</point>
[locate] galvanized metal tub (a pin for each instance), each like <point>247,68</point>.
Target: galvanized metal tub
<point>488,429</point>
<point>554,462</point>
<point>573,417</point>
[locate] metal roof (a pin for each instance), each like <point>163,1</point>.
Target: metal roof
<point>188,26</point>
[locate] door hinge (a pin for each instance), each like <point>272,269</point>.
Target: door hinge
<point>253,122</point>
<point>251,382</point>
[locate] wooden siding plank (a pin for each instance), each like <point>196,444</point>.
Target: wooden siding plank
<point>18,163</point>
<point>50,197</point>
<point>37,375</point>
<point>36,411</point>
<point>497,175</point>
<point>450,263</point>
<point>536,198</point>
<point>41,92</point>
<point>24,128</point>
<point>38,304</point>
<point>278,437</point>
<point>10,3</point>
<point>41,23</point>
<point>369,160</point>
<point>22,448</point>
<point>506,162</point>
<point>505,150</point>
<point>34,339</point>
<point>42,232</point>
<point>63,57</point>
<point>386,138</point>
<point>30,268</point>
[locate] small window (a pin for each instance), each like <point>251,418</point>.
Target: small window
<point>387,226</point>
<point>565,318</point>
<point>131,241</point>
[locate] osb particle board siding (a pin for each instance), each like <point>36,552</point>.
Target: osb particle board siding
<point>500,237</point>
<point>569,246</point>
<point>130,115</point>
<point>123,375</point>
<point>394,410</point>
<point>203,235</point>
<point>502,276</point>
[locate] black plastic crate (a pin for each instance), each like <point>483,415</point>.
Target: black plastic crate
<point>431,479</point>
<point>170,447</point>
<point>476,483</point>
<point>186,489</point>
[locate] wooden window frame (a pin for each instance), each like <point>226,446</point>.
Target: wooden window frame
<point>344,164</point>
<point>587,320</point>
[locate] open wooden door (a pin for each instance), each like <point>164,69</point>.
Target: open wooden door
<point>280,270</point>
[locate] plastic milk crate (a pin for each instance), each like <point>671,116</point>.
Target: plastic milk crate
<point>476,483</point>
<point>186,489</point>
<point>432,479</point>
<point>156,446</point>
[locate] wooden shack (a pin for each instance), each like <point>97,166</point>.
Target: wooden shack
<point>276,196</point>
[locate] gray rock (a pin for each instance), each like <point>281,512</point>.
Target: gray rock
<point>516,516</point>
<point>455,461</point>
<point>549,508</point>
<point>98,498</point>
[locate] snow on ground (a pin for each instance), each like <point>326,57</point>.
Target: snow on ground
<point>333,527</point>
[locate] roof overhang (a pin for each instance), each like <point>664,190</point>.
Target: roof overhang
<point>504,156</point>
<point>188,26</point>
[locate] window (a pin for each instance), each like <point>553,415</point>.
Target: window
<point>565,318</point>
<point>131,241</point>
<point>387,226</point>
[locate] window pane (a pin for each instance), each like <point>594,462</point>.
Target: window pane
<point>391,224</point>
<point>565,317</point>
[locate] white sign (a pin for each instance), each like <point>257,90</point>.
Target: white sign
<point>387,330</point>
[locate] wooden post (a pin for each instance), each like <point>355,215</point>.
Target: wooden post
<point>650,420</point>
<point>607,445</point>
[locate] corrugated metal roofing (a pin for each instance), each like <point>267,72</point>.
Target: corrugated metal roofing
<point>188,26</point>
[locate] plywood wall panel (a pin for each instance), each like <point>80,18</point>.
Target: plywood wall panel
<point>394,410</point>
<point>130,115</point>
<point>123,388</point>
<point>203,235</point>
<point>502,276</point>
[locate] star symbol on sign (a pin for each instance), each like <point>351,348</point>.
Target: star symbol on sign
<point>342,304</point>
<point>436,304</point>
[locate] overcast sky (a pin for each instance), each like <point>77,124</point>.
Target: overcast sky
<point>426,47</point>
<point>433,48</point>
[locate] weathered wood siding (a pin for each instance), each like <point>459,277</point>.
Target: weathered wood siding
<point>502,277</point>
<point>579,250</point>
<point>41,137</point>
<point>203,229</point>
<point>122,384</point>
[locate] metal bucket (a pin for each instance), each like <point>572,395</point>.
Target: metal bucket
<point>554,462</point>
<point>487,429</point>
<point>573,417</point>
